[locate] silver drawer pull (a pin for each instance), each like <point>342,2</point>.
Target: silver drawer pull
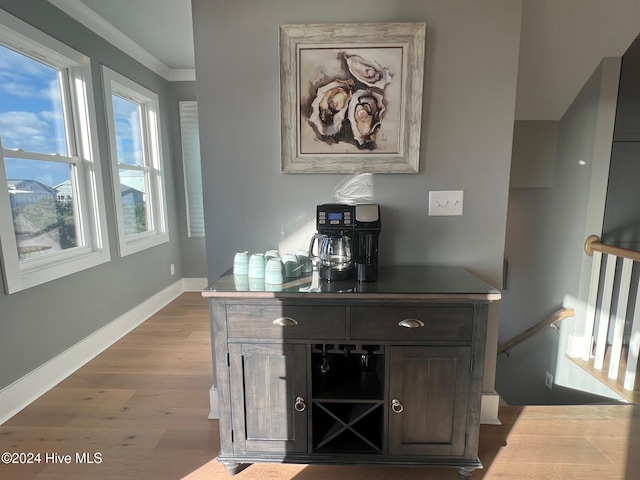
<point>411,323</point>
<point>396,406</point>
<point>300,404</point>
<point>285,322</point>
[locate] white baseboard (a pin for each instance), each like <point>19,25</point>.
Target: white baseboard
<point>489,409</point>
<point>194,284</point>
<point>25,390</point>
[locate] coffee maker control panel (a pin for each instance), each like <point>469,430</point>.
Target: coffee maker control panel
<point>335,216</point>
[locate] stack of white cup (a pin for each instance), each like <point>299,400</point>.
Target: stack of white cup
<point>270,268</point>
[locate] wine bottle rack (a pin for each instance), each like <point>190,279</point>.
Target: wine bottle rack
<point>347,387</point>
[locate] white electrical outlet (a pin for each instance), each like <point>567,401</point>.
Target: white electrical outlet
<point>446,203</point>
<point>172,269</point>
<point>548,381</point>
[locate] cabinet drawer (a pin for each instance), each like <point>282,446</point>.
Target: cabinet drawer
<point>445,323</point>
<point>286,322</point>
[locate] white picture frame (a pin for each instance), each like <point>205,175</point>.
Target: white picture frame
<point>351,97</point>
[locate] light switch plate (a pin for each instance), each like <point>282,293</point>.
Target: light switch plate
<point>446,202</point>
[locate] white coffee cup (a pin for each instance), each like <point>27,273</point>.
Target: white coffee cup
<point>271,254</point>
<point>256,265</point>
<point>291,266</point>
<point>306,265</point>
<point>273,274</point>
<point>241,263</point>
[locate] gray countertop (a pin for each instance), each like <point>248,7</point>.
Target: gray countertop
<point>434,282</point>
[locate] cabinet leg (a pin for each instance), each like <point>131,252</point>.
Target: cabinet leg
<point>232,467</point>
<point>465,472</point>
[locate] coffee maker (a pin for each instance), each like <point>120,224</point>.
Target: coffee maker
<point>347,241</point>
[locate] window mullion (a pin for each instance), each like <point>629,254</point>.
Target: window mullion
<point>79,206</point>
<point>138,168</point>
<point>149,162</point>
<point>68,108</point>
<point>19,153</point>
<point>150,203</point>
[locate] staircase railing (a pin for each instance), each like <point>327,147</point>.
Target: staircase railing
<point>551,321</point>
<point>604,327</point>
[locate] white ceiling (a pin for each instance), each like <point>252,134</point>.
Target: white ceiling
<point>162,27</point>
<point>562,42</point>
<point>157,33</point>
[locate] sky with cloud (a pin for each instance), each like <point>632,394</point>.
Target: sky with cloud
<point>31,119</point>
<point>31,116</point>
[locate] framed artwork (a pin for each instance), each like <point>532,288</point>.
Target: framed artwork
<point>351,97</point>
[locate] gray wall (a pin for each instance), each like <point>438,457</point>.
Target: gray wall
<point>469,95</point>
<point>534,150</point>
<point>546,230</point>
<point>467,126</point>
<point>622,213</point>
<point>39,323</point>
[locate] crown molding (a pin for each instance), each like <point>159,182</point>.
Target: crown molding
<point>182,75</point>
<point>94,22</point>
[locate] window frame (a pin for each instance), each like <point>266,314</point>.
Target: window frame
<point>117,84</point>
<point>80,122</point>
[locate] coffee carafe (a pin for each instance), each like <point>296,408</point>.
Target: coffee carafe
<point>333,258</point>
<point>331,249</point>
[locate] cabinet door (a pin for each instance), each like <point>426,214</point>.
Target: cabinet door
<point>268,389</point>
<point>428,397</point>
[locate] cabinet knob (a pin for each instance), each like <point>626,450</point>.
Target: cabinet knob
<point>411,323</point>
<point>300,406</point>
<point>396,406</point>
<point>285,322</point>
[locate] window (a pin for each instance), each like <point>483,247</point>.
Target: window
<point>51,217</point>
<point>192,168</point>
<point>136,159</point>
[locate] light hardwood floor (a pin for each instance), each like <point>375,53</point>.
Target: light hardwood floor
<point>142,405</point>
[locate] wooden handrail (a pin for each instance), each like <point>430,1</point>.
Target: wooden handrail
<point>550,321</point>
<point>593,244</point>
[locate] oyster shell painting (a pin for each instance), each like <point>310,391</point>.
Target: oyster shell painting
<point>366,109</point>
<point>329,107</point>
<point>350,100</point>
<point>367,72</point>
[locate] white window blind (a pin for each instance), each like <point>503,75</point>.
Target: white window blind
<point>192,168</point>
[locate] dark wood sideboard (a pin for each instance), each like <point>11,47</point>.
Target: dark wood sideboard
<point>387,372</point>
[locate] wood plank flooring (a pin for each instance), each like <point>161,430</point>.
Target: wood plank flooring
<point>142,405</point>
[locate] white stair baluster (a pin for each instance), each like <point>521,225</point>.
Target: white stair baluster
<point>634,347</point>
<point>591,305</point>
<point>605,312</point>
<point>621,313</point>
